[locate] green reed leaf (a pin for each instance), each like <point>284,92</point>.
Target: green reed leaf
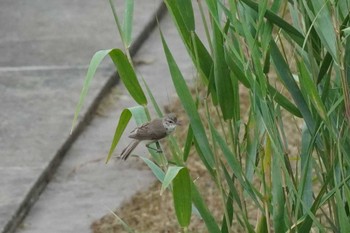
<point>189,106</point>
<point>182,196</point>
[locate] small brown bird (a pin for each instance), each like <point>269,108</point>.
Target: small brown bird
<point>151,132</point>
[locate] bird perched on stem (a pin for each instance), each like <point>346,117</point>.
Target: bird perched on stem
<point>151,132</point>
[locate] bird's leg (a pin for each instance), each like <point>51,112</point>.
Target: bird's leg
<point>155,149</point>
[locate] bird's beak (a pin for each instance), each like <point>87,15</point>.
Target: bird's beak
<point>179,123</point>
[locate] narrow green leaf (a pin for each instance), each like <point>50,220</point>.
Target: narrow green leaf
<point>202,157</point>
<point>189,106</point>
<point>208,218</point>
<point>248,82</point>
<point>231,185</point>
<point>179,20</point>
<point>199,54</point>
<point>188,143</point>
<point>345,22</point>
<point>212,7</point>
<point>308,84</point>
<point>222,76</point>
<point>211,88</point>
<point>326,64</point>
<point>306,163</point>
<point>139,115</point>
<point>347,60</point>
<point>229,208</point>
<point>310,219</point>
<point>284,102</point>
<point>128,21</point>
<point>128,76</point>
<point>252,137</point>
<point>157,171</point>
<point>262,11</point>
<point>126,73</point>
<point>116,19</point>
<point>228,154</point>
<point>289,82</point>
<point>262,225</point>
<point>344,225</point>
<point>194,45</point>
<point>236,98</point>
<point>169,176</point>
<point>205,59</point>
<point>323,24</point>
<point>186,11</point>
<point>233,163</point>
<point>278,200</point>
<point>123,122</point>
<point>182,197</point>
<point>236,69</point>
<point>275,19</point>
<point>94,63</point>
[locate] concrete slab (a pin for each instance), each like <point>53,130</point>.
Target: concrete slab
<point>45,48</point>
<point>61,33</point>
<point>36,114</point>
<point>73,200</point>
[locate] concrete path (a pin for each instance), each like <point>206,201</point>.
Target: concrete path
<point>45,51</point>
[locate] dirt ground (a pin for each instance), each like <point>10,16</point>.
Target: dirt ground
<point>148,211</point>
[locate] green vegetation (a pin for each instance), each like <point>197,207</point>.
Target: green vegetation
<point>293,57</point>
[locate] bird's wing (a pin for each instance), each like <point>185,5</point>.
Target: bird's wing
<point>144,133</point>
<point>134,131</point>
<point>140,132</point>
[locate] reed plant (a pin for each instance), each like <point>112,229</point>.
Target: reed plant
<point>293,58</point>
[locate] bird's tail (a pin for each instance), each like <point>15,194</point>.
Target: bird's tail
<point>130,148</point>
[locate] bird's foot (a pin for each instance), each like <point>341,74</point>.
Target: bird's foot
<point>155,149</point>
